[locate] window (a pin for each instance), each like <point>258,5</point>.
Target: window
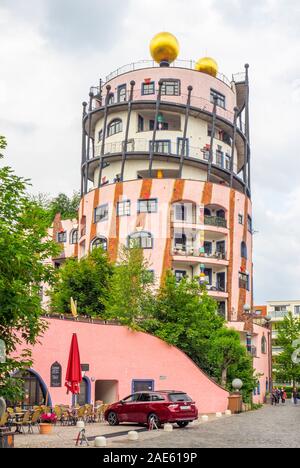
<point>208,248</point>
<point>122,93</point>
<point>74,236</point>
<point>180,241</point>
<point>180,144</point>
<point>101,213</point>
<point>100,135</point>
<point>208,274</point>
<point>221,282</point>
<point>181,212</point>
<point>142,386</point>
<point>143,240</point>
<point>244,250</point>
<point>147,206</point>
<point>227,162</point>
<point>62,237</point>
<point>141,123</point>
<point>206,154</point>
<point>219,158</point>
<point>264,345</point>
<point>249,224</point>
<point>114,127</point>
<point>123,208</point>
<point>244,281</point>
<point>160,125</point>
<point>241,219</point>
<point>161,146</point>
<point>179,275</point>
<point>220,98</point>
<point>170,88</point>
<point>148,88</point>
<point>297,310</point>
<point>222,309</point>
<point>99,242</point>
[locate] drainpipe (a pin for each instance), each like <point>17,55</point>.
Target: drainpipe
<point>124,150</point>
<point>236,110</point>
<point>211,151</point>
<point>158,100</point>
<point>187,114</point>
<point>83,148</point>
<point>108,88</point>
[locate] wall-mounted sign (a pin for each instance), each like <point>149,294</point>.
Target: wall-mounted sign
<point>85,367</point>
<point>55,375</point>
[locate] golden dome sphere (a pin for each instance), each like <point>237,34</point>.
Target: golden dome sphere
<point>207,65</point>
<point>164,47</point>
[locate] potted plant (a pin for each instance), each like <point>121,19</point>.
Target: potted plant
<point>47,422</point>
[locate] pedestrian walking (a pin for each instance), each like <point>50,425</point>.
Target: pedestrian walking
<point>283,396</point>
<point>274,399</point>
<point>295,396</point>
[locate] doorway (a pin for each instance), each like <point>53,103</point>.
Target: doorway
<point>106,391</point>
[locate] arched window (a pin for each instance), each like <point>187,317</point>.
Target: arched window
<point>143,240</point>
<point>264,345</point>
<point>99,242</point>
<point>74,236</point>
<point>35,392</point>
<point>114,127</point>
<point>244,250</point>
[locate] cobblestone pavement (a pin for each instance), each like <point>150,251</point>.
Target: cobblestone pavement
<point>269,427</point>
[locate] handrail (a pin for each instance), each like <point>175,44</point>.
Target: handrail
<point>189,64</point>
<point>168,148</point>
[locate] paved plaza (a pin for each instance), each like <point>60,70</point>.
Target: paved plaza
<point>269,427</point>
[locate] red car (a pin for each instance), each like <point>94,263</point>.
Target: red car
<point>153,407</point>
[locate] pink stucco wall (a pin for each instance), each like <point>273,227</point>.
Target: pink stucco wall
<point>201,82</point>
<point>117,353</point>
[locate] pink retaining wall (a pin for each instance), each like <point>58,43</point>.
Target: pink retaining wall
<point>117,353</point>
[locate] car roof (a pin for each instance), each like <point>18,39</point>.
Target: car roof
<point>161,391</point>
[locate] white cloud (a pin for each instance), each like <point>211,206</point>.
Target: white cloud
<point>51,52</point>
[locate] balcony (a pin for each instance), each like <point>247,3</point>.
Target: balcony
<point>215,221</point>
<point>279,314</point>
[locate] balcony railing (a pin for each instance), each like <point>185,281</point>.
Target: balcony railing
<point>215,221</point>
<point>142,145</point>
<point>279,314</point>
<point>190,64</point>
<point>194,251</point>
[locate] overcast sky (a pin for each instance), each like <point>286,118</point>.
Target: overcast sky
<point>52,51</point>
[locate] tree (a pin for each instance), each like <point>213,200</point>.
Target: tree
<point>184,315</point>
<point>131,289</point>
<point>87,281</point>
<point>23,250</point>
<point>226,351</point>
<point>66,206</point>
<point>286,368</point>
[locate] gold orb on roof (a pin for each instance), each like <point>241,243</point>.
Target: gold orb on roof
<point>207,65</point>
<point>164,47</point>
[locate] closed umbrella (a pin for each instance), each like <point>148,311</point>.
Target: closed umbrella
<point>74,376</point>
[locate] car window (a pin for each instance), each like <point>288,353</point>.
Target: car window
<point>157,398</point>
<point>144,397</point>
<point>131,398</point>
<point>179,397</point>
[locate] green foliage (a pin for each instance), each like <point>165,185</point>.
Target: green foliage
<point>23,249</point>
<point>185,316</point>
<point>3,144</point>
<point>288,332</point>
<point>130,296</point>
<point>66,206</point>
<point>86,281</point>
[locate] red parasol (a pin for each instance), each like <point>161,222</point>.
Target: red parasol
<point>74,376</point>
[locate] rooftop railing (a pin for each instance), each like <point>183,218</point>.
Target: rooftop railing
<point>130,67</point>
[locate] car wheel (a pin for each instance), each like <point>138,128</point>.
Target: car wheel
<point>182,423</point>
<point>113,419</point>
<point>153,419</point>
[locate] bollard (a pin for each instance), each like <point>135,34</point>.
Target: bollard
<point>204,418</point>
<point>228,413</point>
<point>168,427</point>
<point>100,442</point>
<point>133,435</point>
<point>80,424</point>
<point>219,415</point>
